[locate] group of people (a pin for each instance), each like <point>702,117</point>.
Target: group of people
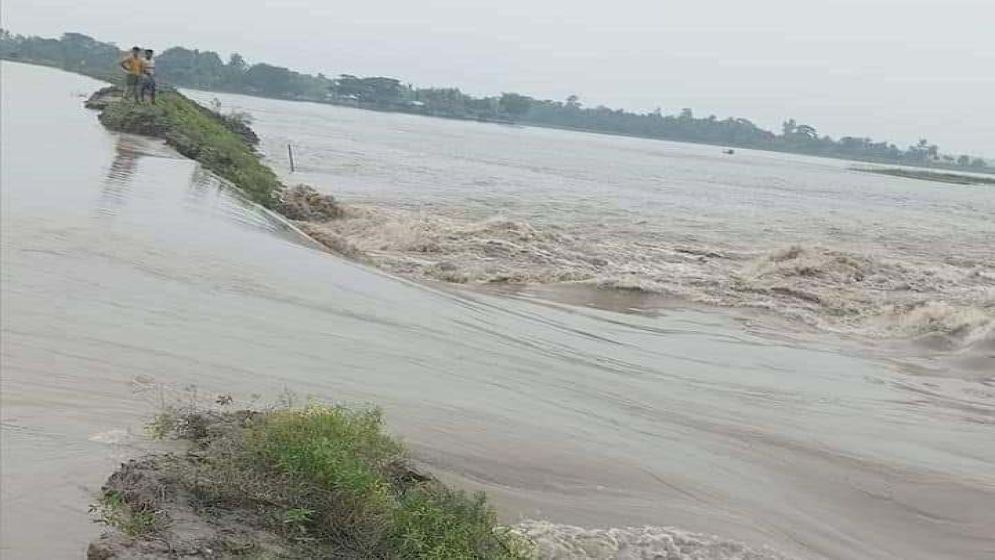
<point>140,75</point>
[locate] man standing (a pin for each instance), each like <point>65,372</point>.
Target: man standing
<point>148,82</point>
<point>134,66</point>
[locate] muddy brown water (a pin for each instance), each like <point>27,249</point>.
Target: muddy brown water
<point>807,239</point>
<point>127,271</point>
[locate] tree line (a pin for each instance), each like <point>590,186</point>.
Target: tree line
<point>206,70</point>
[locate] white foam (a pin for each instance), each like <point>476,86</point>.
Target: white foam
<point>566,542</point>
<point>111,437</point>
<point>841,290</point>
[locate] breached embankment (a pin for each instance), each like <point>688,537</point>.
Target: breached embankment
<point>175,517</point>
<point>945,305</point>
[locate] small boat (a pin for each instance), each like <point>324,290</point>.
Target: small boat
<point>729,151</point>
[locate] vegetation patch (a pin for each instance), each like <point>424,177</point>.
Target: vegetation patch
<point>224,144</point>
<point>131,518</point>
<point>313,482</point>
<point>953,178</point>
<point>221,144</point>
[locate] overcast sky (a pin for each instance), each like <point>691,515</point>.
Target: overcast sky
<point>895,69</point>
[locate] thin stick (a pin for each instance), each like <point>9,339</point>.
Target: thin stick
<point>290,154</point>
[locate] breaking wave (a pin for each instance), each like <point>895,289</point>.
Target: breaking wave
<point>565,542</point>
<point>950,303</point>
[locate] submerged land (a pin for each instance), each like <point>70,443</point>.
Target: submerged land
<point>952,178</point>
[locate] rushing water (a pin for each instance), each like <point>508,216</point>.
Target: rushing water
<point>127,268</point>
<point>808,239</point>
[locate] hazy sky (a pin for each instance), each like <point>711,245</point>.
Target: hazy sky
<point>895,69</point>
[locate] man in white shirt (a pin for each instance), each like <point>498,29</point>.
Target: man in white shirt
<point>148,83</point>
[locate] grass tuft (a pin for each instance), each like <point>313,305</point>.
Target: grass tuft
<point>115,511</point>
<point>330,480</point>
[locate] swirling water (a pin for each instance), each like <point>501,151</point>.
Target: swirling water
<point>808,239</point>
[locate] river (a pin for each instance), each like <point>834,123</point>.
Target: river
<point>130,275</point>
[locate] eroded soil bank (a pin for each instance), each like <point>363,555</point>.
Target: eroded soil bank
<point>313,482</point>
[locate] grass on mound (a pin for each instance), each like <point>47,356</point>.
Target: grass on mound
<point>330,480</point>
<point>199,134</point>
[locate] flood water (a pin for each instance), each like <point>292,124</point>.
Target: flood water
<point>129,272</point>
<point>809,240</point>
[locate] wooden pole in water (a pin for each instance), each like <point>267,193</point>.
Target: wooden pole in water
<point>290,154</point>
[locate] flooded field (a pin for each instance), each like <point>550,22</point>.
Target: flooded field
<point>128,274</point>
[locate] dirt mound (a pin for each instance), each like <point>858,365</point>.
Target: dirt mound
<point>153,516</point>
<point>103,97</point>
<point>315,482</point>
<point>303,203</point>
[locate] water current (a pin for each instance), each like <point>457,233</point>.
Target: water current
<point>609,430</point>
<point>811,240</point>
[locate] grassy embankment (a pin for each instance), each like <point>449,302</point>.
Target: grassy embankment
<point>953,178</point>
<point>221,144</point>
<point>313,482</point>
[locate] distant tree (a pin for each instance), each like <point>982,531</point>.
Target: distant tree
<point>964,160</point>
<point>978,163</point>
<point>369,90</point>
<point>191,68</point>
<point>687,114</point>
<point>268,79</point>
<point>514,104</point>
<point>234,72</point>
<point>237,63</point>
<point>445,101</point>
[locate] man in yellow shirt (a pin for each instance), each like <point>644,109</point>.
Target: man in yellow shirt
<point>134,65</point>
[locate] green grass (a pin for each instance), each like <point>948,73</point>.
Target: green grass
<point>331,480</point>
<point>114,511</point>
<point>199,134</point>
